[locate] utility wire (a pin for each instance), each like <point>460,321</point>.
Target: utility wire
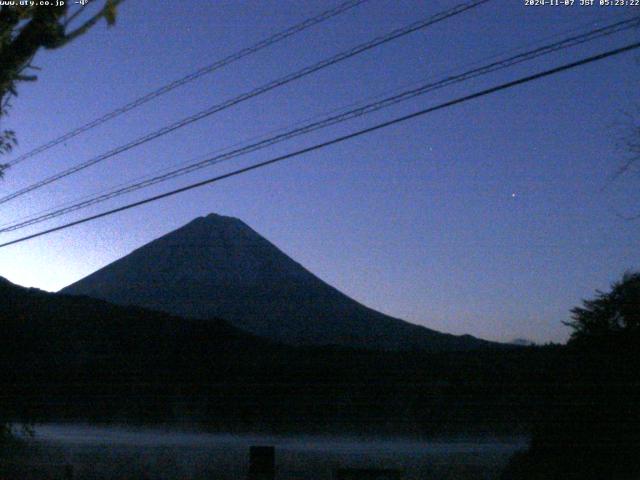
<point>400,32</point>
<point>245,52</point>
<point>344,108</point>
<point>111,192</point>
<point>404,118</point>
<point>332,120</point>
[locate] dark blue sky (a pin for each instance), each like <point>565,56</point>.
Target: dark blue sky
<point>492,218</point>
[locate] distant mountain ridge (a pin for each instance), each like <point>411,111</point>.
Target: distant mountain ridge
<point>218,267</point>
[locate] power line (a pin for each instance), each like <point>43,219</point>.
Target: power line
<point>332,120</point>
<point>245,52</point>
<point>400,32</point>
<point>441,106</point>
<point>38,216</point>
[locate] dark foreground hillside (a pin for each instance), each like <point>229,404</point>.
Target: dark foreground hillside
<point>76,357</point>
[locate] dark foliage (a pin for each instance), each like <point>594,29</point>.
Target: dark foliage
<point>610,318</point>
<point>589,427</point>
<point>25,29</point>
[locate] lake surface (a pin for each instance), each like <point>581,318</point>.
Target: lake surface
<point>118,452</point>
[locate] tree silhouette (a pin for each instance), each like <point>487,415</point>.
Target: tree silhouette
<point>609,316</point>
<point>589,423</point>
<point>25,29</point>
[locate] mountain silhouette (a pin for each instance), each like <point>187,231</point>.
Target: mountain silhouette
<point>218,267</point>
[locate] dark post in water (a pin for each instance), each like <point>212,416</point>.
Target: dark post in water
<point>262,463</point>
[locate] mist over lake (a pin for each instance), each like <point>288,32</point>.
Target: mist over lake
<point>169,453</point>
